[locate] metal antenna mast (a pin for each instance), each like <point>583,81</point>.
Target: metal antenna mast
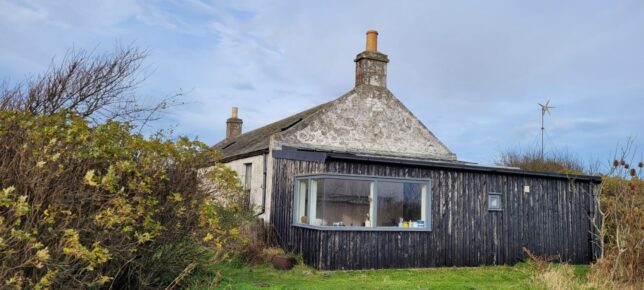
<point>544,109</point>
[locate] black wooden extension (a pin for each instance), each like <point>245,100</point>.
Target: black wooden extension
<point>553,218</point>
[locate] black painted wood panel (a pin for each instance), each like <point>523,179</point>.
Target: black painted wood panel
<point>552,219</point>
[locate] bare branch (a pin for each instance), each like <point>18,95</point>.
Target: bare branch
<point>97,87</point>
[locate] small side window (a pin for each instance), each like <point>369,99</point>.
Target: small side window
<point>302,201</point>
<point>248,178</point>
<point>494,201</point>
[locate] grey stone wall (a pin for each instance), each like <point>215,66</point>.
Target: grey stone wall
<point>371,69</point>
<point>368,120</point>
<point>233,127</point>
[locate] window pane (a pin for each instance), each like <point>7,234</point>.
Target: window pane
<point>248,172</point>
<point>340,202</point>
<point>494,201</point>
<point>302,209</point>
<point>400,204</point>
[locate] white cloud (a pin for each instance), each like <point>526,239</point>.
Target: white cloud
<point>473,72</point>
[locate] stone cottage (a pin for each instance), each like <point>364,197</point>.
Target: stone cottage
<point>360,182</point>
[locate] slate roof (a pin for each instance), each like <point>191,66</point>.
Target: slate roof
<point>256,142</point>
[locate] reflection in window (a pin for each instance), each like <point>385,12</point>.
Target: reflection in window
<point>340,202</point>
<point>494,201</point>
<point>362,202</point>
<point>399,203</point>
<point>248,173</point>
<point>302,199</point>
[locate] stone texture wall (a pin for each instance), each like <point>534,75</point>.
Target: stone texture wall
<point>233,127</point>
<point>368,120</point>
<point>371,69</point>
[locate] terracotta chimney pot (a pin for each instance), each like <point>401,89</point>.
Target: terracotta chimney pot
<point>372,40</point>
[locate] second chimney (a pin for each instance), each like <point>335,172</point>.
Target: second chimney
<point>371,65</point>
<point>233,125</point>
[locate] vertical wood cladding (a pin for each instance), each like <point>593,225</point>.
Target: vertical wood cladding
<point>552,219</point>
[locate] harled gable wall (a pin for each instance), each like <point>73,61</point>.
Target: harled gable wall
<point>368,119</point>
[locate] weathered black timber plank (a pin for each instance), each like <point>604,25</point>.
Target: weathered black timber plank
<point>583,225</point>
<point>521,218</point>
<point>547,219</point>
<point>578,220</point>
<point>476,229</point>
<point>530,243</point>
<point>573,220</point>
<point>569,239</point>
<point>591,213</point>
<point>559,223</point>
<point>495,226</point>
<point>566,225</point>
<point>451,203</point>
<point>506,231</point>
<point>468,218</point>
<point>458,219</point>
<point>501,231</point>
<point>479,218</point>
<point>517,219</point>
<point>511,212</point>
<point>551,219</point>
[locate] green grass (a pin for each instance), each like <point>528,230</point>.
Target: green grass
<point>304,277</point>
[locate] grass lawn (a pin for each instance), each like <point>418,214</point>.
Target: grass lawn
<point>304,277</point>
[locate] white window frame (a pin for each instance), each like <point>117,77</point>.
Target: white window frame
<point>491,195</point>
<point>248,176</point>
<point>426,199</point>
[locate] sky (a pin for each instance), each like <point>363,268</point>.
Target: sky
<point>471,71</point>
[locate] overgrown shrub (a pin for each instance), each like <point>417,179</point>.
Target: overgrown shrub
<point>532,160</point>
<point>622,226</point>
<point>99,207</point>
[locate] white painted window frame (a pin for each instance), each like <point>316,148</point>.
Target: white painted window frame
<point>248,176</point>
<point>426,200</point>
<point>491,195</point>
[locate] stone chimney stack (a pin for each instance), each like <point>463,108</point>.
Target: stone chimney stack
<point>233,125</point>
<point>371,65</point>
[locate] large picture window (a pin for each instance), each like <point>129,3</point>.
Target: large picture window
<point>357,202</point>
<point>399,202</point>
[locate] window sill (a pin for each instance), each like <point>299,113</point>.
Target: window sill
<point>362,229</point>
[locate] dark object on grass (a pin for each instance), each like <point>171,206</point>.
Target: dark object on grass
<point>283,262</point>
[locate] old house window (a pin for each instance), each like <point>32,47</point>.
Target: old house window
<point>494,201</point>
<point>344,202</point>
<point>248,176</point>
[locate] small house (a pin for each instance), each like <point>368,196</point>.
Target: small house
<point>361,183</point>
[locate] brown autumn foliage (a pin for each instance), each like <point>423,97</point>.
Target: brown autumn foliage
<point>531,159</point>
<point>622,227</point>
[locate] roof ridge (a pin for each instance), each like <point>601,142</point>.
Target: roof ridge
<point>258,139</point>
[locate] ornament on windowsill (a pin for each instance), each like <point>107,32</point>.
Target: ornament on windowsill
<point>367,222</point>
